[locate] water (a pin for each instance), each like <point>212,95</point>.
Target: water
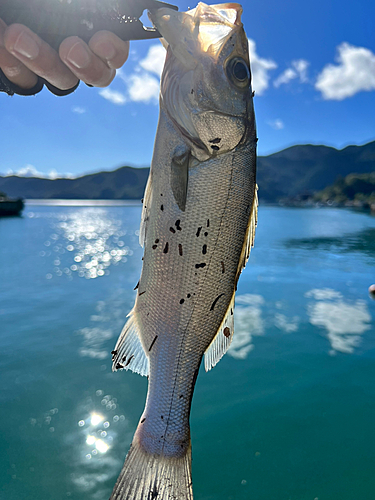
<point>287,414</point>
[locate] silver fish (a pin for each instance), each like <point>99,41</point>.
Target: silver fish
<point>197,229</point>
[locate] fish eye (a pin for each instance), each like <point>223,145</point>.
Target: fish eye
<point>238,72</point>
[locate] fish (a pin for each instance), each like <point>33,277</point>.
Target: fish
<point>197,228</point>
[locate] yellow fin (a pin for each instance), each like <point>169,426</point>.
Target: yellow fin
<point>129,353</point>
<point>222,339</point>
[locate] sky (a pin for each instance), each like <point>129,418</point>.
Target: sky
<point>313,70</point>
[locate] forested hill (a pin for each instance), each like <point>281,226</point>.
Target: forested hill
<point>125,183</point>
<point>288,173</point>
<point>308,168</point>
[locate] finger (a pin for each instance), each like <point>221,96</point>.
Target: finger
<point>38,56</point>
<point>12,68</point>
<point>86,65</point>
<point>110,48</point>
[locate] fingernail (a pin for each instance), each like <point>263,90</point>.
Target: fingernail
<point>105,50</point>
<point>26,46</point>
<point>79,56</point>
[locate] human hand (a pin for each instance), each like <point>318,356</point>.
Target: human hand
<point>24,57</point>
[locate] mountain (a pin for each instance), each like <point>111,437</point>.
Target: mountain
<point>285,174</point>
<point>298,169</point>
<point>125,183</point>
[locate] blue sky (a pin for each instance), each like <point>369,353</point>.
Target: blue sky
<point>313,65</point>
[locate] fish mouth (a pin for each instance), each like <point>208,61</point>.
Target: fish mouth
<point>204,29</point>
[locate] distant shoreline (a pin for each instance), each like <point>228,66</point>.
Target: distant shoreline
<point>83,203</point>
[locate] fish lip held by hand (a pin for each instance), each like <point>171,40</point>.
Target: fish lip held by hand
<point>198,225</point>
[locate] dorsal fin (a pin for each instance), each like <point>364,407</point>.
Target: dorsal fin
<point>222,339</point>
<point>250,234</point>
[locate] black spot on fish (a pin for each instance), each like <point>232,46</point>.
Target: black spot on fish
<point>215,141</point>
<point>197,266</point>
<point>231,312</point>
<point>181,396</point>
<point>222,267</point>
<point>177,224</point>
<point>188,295</point>
<point>172,230</point>
<point>153,493</point>
<point>154,247</point>
<point>143,419</point>
<point>161,194</point>
<point>192,91</point>
<point>166,248</point>
<point>206,234</point>
<point>114,353</point>
<point>180,249</point>
<point>141,293</point>
<point>152,343</point>
<point>161,416</point>
<point>119,366</point>
<point>208,222</point>
<point>226,332</point>
<point>204,249</point>
<point>157,240</point>
<point>182,301</point>
<point>124,359</point>
<point>215,301</point>
<point>128,363</point>
<point>215,148</point>
<point>199,231</point>
<point>161,207</point>
<point>136,286</point>
<point>142,200</point>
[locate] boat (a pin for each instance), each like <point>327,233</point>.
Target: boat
<point>9,206</point>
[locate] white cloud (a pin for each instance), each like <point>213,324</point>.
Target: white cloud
<point>276,124</point>
<point>353,73</point>
<point>113,96</point>
<point>247,323</point>
<point>345,322</point>
<point>288,325</point>
<point>27,171</point>
<point>154,61</point>
<point>143,87</point>
<point>31,171</point>
<point>298,69</point>
<point>260,69</point>
<point>79,110</point>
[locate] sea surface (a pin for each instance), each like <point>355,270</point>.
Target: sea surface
<point>287,414</point>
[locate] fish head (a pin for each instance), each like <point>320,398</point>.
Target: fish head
<point>206,81</point>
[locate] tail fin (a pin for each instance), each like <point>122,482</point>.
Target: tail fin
<point>154,477</point>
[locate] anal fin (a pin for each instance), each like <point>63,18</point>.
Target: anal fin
<point>129,353</point>
<point>222,340</point>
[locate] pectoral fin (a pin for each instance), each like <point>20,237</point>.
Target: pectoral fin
<point>129,353</point>
<point>179,179</point>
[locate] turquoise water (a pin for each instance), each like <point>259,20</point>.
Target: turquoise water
<point>288,413</point>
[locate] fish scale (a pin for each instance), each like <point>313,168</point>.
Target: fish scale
<point>197,228</point>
